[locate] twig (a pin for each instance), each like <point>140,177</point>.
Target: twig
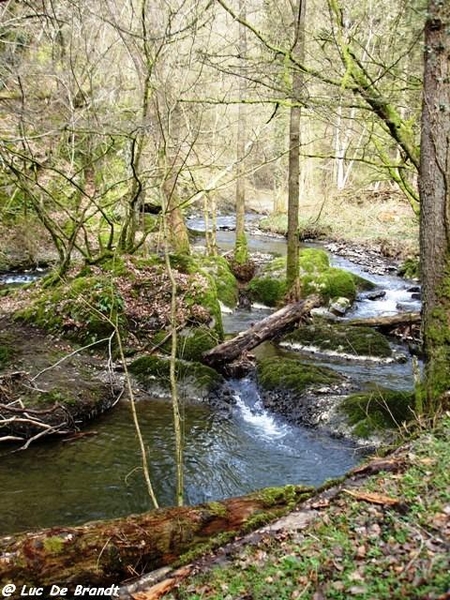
<point>70,355</point>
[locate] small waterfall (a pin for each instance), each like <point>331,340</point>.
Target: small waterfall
<point>265,425</point>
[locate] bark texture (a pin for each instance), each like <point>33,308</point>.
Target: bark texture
<point>106,553</point>
<point>387,322</point>
<point>270,327</point>
<point>435,201</point>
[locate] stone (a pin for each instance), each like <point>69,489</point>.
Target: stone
<point>339,306</point>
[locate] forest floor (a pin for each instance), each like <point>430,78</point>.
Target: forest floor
<point>382,533</point>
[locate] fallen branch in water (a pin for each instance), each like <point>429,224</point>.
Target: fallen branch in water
<point>387,322</point>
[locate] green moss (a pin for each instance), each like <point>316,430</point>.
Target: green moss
<point>268,290</point>
<point>437,345</point>
<point>218,268</point>
<point>53,545</point>
<point>410,268</point>
<point>313,259</point>
<point>134,293</point>
<point>358,341</point>
<point>330,283</point>
<point>241,249</point>
<point>82,307</point>
<point>292,374</point>
<point>147,369</point>
<point>377,410</point>
<point>363,285</point>
<point>278,501</point>
<point>286,495</point>
<point>5,355</point>
<point>217,509</point>
<point>204,293</point>
<point>315,274</point>
<point>192,343</point>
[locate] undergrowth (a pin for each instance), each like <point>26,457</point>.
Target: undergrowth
<point>388,538</point>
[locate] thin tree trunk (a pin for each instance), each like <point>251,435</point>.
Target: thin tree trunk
<point>240,248</point>
<point>298,49</point>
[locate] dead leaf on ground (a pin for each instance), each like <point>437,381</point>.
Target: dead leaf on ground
<point>159,589</point>
<point>373,498</point>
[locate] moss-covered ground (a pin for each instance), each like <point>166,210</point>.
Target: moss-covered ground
<point>383,536</point>
<point>292,374</point>
<point>378,409</point>
<point>133,294</point>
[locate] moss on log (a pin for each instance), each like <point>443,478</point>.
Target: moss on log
<point>105,553</point>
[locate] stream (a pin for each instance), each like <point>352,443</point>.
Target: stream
<point>227,452</point>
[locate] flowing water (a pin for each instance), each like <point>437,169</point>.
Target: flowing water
<point>227,452</point>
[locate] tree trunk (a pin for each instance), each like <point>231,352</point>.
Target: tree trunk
<point>435,202</point>
<point>298,48</point>
<point>268,328</point>
<point>240,247</point>
<point>105,553</point>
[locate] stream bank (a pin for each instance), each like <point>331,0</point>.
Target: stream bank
<point>230,450</point>
<point>383,532</point>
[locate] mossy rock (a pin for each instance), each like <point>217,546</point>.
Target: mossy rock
<point>192,342</point>
<point>151,370</point>
<point>315,274</point>
<point>268,290</point>
<point>292,374</point>
<point>85,308</point>
<point>226,284</point>
<point>313,260</point>
<point>362,284</point>
<point>357,341</point>
<point>330,283</point>
<point>378,410</point>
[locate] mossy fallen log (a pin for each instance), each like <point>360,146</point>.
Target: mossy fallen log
<point>387,322</point>
<point>270,327</point>
<point>110,552</point>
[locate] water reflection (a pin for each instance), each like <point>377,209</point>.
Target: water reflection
<point>99,477</point>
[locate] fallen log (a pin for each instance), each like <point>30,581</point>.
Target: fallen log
<point>388,322</point>
<point>110,552</point>
<point>268,328</point>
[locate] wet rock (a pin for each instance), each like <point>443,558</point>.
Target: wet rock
<point>340,306</point>
<point>406,306</point>
<point>375,295</point>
